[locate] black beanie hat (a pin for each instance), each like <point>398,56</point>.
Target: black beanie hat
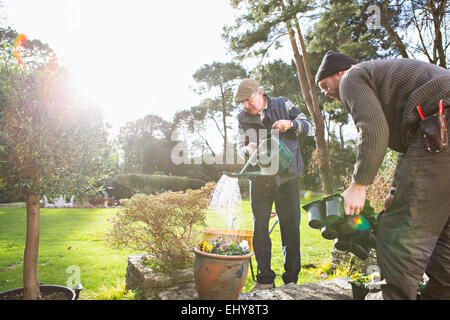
<point>332,63</point>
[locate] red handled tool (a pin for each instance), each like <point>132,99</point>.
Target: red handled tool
<point>441,107</point>
<point>419,109</point>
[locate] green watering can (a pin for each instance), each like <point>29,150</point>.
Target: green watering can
<point>272,160</point>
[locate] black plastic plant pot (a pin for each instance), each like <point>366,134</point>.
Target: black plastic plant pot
<point>315,216</point>
<point>372,240</point>
<point>334,208</point>
<point>329,233</point>
<point>359,292</point>
<point>53,292</point>
<point>359,251</point>
<point>342,243</point>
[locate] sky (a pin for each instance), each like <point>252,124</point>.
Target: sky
<point>134,57</point>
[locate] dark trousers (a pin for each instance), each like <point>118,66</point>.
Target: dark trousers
<point>263,193</point>
<point>414,231</point>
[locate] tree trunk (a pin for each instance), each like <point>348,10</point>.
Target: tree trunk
<point>309,93</point>
<point>224,119</point>
<point>341,136</point>
<point>438,15</point>
<point>30,274</point>
<point>394,35</point>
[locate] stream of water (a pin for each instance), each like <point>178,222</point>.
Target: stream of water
<point>226,200</point>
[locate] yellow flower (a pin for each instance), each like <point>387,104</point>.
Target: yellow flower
<point>201,246</point>
<point>355,276</point>
<point>208,247</point>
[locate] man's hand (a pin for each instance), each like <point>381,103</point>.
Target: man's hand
<point>388,198</point>
<point>354,198</point>
<point>251,148</point>
<point>282,125</point>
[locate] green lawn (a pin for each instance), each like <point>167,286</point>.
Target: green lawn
<point>74,237</point>
<point>68,237</point>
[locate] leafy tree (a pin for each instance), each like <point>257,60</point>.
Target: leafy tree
<point>262,25</point>
<point>280,79</point>
<point>49,142</point>
<point>352,33</point>
<point>430,20</point>
<point>33,53</point>
<point>406,28</point>
<point>145,145</point>
<point>222,77</point>
<point>195,120</point>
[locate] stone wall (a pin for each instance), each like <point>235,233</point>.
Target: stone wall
<point>152,283</point>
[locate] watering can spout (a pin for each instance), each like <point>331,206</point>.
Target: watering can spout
<point>231,174</point>
<point>276,155</point>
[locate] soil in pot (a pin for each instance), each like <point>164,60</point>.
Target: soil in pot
<point>47,293</point>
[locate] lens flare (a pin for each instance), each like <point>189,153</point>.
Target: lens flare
<point>307,195</point>
<point>18,45</point>
<point>360,223</point>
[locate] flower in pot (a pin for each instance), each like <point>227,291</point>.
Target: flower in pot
<point>359,284</point>
<point>220,269</point>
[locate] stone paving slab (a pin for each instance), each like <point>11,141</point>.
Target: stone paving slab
<point>333,289</point>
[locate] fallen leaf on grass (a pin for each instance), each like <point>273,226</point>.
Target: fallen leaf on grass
<point>14,266</point>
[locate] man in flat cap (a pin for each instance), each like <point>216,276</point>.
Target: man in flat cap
<point>414,231</point>
<point>259,116</point>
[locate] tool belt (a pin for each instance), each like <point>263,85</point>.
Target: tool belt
<point>433,130</point>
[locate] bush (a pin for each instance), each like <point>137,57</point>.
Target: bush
<point>162,225</point>
<point>100,201</point>
<point>127,185</point>
<point>377,191</point>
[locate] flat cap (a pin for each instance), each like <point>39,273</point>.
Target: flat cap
<point>246,88</point>
<point>332,63</point>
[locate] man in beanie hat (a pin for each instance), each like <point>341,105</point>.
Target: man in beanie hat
<point>259,116</point>
<point>414,231</point>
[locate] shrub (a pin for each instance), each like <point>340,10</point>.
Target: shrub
<point>100,201</point>
<point>110,293</point>
<point>377,191</point>
<point>162,225</point>
<point>126,185</point>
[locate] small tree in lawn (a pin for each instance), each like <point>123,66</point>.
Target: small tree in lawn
<point>49,139</point>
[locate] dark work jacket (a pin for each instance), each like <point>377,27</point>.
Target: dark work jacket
<point>277,110</point>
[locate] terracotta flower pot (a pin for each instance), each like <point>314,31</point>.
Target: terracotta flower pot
<point>219,277</point>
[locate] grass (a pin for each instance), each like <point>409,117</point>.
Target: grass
<point>74,237</point>
<point>67,237</point>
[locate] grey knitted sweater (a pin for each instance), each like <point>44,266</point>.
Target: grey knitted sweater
<point>382,97</point>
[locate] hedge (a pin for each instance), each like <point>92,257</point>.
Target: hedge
<point>126,185</point>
